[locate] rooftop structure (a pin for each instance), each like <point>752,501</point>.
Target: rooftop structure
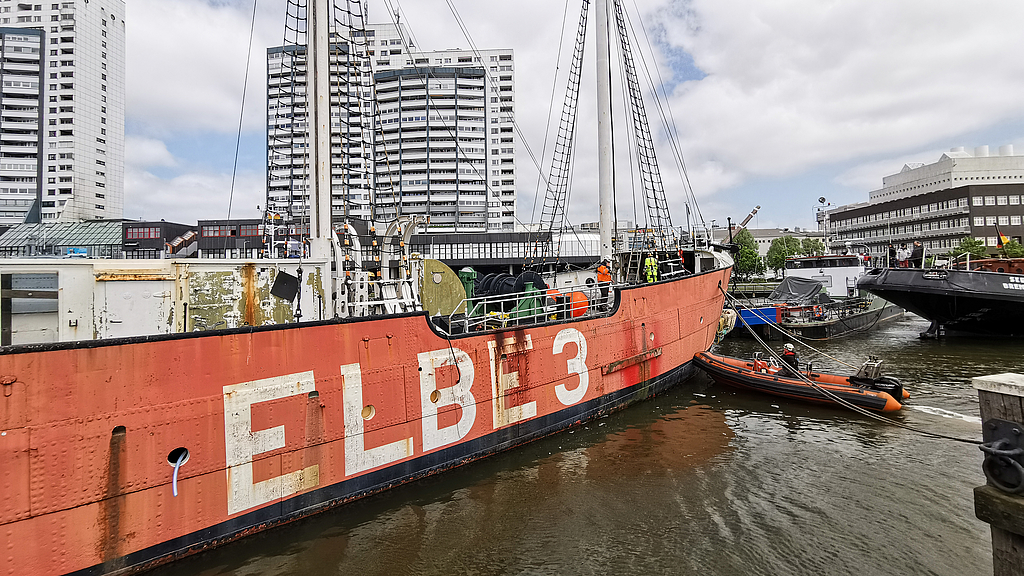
<point>95,239</point>
<point>960,195</point>
<point>958,167</point>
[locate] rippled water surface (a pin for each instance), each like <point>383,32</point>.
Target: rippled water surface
<point>702,480</point>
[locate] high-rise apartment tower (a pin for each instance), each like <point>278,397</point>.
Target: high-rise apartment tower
<point>62,123</point>
<point>431,134</point>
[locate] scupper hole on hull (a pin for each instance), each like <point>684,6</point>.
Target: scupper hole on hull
<point>435,396</point>
<point>368,412</point>
<point>174,455</point>
<point>119,431</point>
<point>176,458</point>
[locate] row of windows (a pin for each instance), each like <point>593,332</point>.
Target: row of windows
<point>887,231</point>
<point>995,201</point>
<point>903,212</point>
<point>1000,220</point>
<point>228,230</point>
<point>143,233</point>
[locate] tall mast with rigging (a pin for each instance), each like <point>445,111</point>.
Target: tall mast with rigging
<point>605,175</point>
<point>318,95</point>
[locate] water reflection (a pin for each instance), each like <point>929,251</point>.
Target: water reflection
<point>703,480</point>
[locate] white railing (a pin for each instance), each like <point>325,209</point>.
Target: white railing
<point>526,308</point>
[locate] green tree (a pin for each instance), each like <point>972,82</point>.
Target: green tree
<point>812,247</point>
<point>968,245</point>
<point>1013,249</point>
<point>748,261</point>
<point>781,249</point>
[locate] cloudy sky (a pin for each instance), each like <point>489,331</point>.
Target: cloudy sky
<point>774,103</point>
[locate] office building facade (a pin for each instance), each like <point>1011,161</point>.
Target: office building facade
<point>961,195</point>
<point>80,158</point>
<point>413,132</point>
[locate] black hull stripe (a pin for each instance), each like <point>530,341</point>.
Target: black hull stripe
<point>328,497</point>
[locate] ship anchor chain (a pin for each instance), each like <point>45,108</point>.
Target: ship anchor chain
<point>1004,454</point>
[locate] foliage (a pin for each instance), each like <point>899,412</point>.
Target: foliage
<point>812,247</point>
<point>781,249</point>
<point>974,247</point>
<point>1013,249</point>
<point>744,239</point>
<point>748,261</point>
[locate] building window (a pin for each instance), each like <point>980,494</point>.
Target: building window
<point>979,220</point>
<point>1014,200</point>
<point>990,200</point>
<point>1001,200</point>
<point>250,230</point>
<point>218,231</point>
<point>1004,220</point>
<point>990,221</point>
<point>143,233</point>
<point>991,240</point>
<point>1014,220</point>
<point>977,201</point>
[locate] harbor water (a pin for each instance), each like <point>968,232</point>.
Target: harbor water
<point>701,480</point>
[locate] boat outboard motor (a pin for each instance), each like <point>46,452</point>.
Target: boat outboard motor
<point>870,376</point>
<point>889,384</point>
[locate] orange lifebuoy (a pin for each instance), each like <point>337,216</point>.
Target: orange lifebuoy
<point>578,304</point>
<point>819,311</point>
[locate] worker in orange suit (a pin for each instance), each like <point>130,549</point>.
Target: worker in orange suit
<point>604,280</point>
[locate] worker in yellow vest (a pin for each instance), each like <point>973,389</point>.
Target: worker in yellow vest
<point>651,268</point>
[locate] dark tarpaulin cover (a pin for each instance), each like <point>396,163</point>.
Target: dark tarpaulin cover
<point>793,290</point>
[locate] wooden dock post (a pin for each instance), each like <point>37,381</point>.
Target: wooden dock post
<point>1002,397</point>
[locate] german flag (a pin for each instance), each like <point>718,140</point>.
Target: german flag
<point>1000,238</point>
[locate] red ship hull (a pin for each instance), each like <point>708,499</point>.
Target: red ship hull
<point>286,421</point>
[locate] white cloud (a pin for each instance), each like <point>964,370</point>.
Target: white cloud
<point>798,84</point>
<point>186,64</point>
<point>791,86</point>
<point>143,152</point>
<point>191,196</point>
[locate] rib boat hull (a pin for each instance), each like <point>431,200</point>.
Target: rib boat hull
<point>740,374</point>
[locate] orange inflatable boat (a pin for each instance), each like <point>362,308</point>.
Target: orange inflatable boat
<point>883,394</point>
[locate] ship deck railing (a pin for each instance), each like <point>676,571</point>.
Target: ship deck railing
<point>486,313</point>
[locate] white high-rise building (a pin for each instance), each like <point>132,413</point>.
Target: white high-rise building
<point>440,141</point>
<point>21,117</point>
<point>79,161</point>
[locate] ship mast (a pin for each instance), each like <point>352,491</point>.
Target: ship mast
<point>605,176</point>
<point>318,94</point>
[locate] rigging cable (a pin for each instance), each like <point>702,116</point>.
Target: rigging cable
<point>241,116</point>
<point>551,108</point>
<point>669,120</point>
<point>838,400</point>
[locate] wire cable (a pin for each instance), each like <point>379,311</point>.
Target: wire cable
<point>828,394</point>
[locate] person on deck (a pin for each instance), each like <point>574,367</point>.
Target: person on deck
<point>903,256</point>
<point>891,261</point>
<point>917,256</point>
<point>604,280</point>
<point>651,268</point>
<point>789,357</point>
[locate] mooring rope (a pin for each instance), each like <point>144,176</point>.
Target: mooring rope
<point>837,399</point>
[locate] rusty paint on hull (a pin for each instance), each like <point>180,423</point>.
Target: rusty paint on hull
<point>285,421</point>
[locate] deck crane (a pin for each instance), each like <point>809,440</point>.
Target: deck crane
<point>742,224</point>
